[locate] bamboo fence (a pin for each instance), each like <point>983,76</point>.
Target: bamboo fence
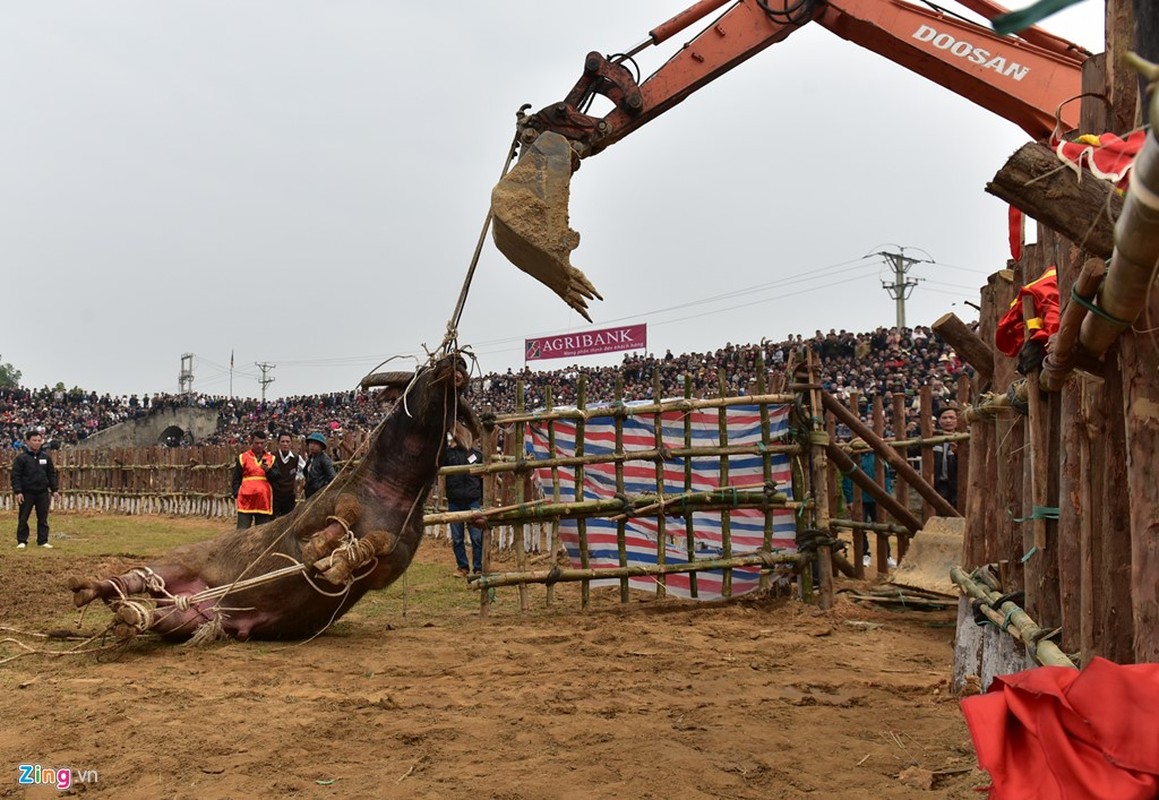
<point>523,513</point>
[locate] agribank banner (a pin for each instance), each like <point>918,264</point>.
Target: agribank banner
<point>605,340</point>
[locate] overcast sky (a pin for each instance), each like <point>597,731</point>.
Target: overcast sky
<point>302,182</point>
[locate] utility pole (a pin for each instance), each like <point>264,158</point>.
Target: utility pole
<point>185,376</point>
<point>265,380</point>
<point>901,287</point>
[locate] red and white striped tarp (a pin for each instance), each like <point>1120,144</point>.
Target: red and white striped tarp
<point>746,525</point>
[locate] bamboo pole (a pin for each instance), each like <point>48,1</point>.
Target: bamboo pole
<point>725,516</point>
<point>1012,619</point>
<point>621,521</point>
<point>689,521</point>
<point>628,455</point>
<point>902,447</point>
<point>661,519</point>
<point>881,527</point>
<point>766,462</point>
<point>857,511</point>
<point>581,523</point>
<point>557,575</point>
<point>519,529</point>
<point>649,409</point>
<point>1059,361</point>
<point>903,470</point>
<point>549,599</point>
<point>820,468</point>
<point>879,478</point>
<point>488,502</point>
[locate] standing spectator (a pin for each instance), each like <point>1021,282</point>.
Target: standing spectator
<point>464,492</point>
<point>946,458</point>
<point>284,476</point>
<point>319,468</point>
<point>867,462</point>
<point>34,484</point>
<point>251,483</point>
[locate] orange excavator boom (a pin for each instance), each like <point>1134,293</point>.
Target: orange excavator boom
<point>1029,80</point>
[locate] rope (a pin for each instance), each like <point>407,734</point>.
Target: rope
<point>453,323</point>
<point>1098,312</point>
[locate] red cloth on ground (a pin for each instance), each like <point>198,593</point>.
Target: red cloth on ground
<point>1054,733</point>
<point>1010,332</point>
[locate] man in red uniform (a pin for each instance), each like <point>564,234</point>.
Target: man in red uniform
<point>251,483</point>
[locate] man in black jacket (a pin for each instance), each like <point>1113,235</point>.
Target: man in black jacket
<point>319,468</point>
<point>288,466</point>
<point>34,484</point>
<point>464,492</point>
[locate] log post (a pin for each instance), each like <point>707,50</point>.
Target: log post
<point>1032,181</point>
<point>967,344</point>
<point>883,450</point>
<point>884,500</point>
<point>926,426</point>
<point>901,487</point>
<point>882,552</point>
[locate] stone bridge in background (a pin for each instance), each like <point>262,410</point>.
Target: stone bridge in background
<point>167,426</point>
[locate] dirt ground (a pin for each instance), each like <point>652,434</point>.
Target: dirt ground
<point>655,699</point>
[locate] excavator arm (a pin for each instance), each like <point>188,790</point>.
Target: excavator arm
<point>1027,80</point>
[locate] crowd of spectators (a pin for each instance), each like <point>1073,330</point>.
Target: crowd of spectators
<point>881,363</point>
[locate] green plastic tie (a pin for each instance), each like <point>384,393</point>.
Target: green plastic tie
<point>1029,554</point>
<point>1040,512</point>
<point>1098,312</point>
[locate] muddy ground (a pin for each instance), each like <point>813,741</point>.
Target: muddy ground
<point>748,699</point>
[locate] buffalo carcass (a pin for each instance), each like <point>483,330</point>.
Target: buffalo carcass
<point>358,534</point>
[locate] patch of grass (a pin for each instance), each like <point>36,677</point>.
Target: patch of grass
<point>95,534</point>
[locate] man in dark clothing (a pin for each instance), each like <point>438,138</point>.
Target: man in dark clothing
<point>284,476</point>
<point>319,468</point>
<point>464,492</point>
<point>34,483</point>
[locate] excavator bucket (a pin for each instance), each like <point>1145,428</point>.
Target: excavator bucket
<point>530,220</point>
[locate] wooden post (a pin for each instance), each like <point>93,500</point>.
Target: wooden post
<point>856,510</point>
<point>901,488</point>
<point>879,478</point>
<point>926,426</point>
<point>1139,357</point>
<point>963,447</point>
<point>1113,583</point>
<point>1081,475</point>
